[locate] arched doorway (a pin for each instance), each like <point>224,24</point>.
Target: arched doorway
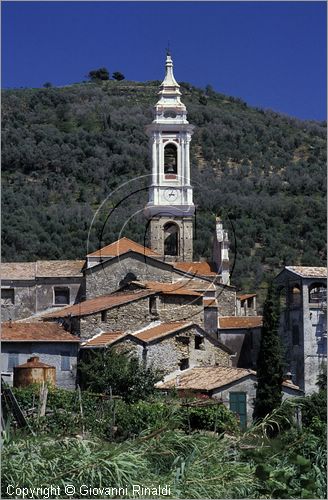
<point>171,239</point>
<point>170,159</point>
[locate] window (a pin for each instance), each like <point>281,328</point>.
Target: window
<point>171,239</point>
<point>182,339</point>
<point>170,159</point>
<point>12,360</point>
<point>7,296</point>
<point>199,342</point>
<point>61,296</point>
<point>317,293</point>
<point>65,361</point>
<point>103,315</point>
<point>153,306</point>
<point>295,296</point>
<point>184,364</point>
<point>296,334</point>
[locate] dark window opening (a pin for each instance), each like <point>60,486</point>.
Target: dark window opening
<point>171,239</point>
<point>153,306</point>
<point>183,340</point>
<point>296,334</point>
<point>184,364</point>
<point>103,315</point>
<point>199,342</point>
<point>62,296</point>
<point>170,159</point>
<point>317,293</point>
<point>7,296</point>
<point>127,279</point>
<point>296,296</point>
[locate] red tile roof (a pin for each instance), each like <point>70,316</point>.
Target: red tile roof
<point>103,339</point>
<point>18,270</point>
<point>241,322</point>
<point>98,304</point>
<point>177,288</point>
<point>35,332</point>
<point>308,272</point>
<point>200,268</point>
<point>158,331</point>
<point>245,296</point>
<point>122,246</point>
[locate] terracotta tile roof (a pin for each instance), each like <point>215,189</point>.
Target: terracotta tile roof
<point>177,288</point>
<point>35,332</point>
<point>161,330</point>
<point>232,322</point>
<point>122,246</point>
<point>210,302</point>
<point>210,378</point>
<point>98,304</point>
<point>103,339</point>
<point>200,268</point>
<point>18,270</point>
<point>205,379</point>
<point>308,272</point>
<point>245,296</point>
<point>34,362</point>
<point>59,268</point>
<point>41,269</point>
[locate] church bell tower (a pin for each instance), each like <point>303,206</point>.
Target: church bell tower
<point>170,208</point>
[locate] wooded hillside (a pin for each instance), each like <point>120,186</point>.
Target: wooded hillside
<point>66,149</point>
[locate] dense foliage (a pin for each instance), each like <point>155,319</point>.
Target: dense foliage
<point>193,465</point>
<point>269,366</point>
<point>114,370</point>
<point>65,150</point>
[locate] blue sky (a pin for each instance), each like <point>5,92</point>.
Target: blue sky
<point>271,54</point>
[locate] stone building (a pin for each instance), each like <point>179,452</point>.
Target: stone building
<point>170,347</point>
<point>234,387</point>
<point>303,323</point>
<point>49,341</point>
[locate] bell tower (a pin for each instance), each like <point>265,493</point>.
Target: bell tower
<point>170,208</point>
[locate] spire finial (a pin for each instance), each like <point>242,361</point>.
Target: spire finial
<point>168,51</point>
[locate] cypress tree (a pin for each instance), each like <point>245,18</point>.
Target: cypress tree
<point>269,361</point>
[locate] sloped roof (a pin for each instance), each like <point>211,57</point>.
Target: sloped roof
<point>148,334</point>
<point>308,272</point>
<point>210,378</point>
<point>41,269</point>
<point>18,270</point>
<point>35,332</point>
<point>205,378</point>
<point>98,304</point>
<point>200,268</point>
<point>177,288</point>
<point>59,268</point>
<point>245,296</point>
<point>231,322</point>
<point>122,246</point>
<point>103,339</point>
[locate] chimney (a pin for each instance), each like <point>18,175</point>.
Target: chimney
<point>210,306</point>
<point>221,252</point>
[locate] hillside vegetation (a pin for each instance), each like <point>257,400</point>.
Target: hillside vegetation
<point>67,150</point>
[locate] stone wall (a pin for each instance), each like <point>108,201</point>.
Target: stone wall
<point>106,278</point>
<point>49,353</point>
<point>226,297</point>
<point>157,236</point>
<point>24,300</point>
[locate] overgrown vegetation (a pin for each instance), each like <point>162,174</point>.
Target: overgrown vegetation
<point>66,149</point>
<point>193,465</point>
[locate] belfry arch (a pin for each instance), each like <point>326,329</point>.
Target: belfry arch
<point>171,239</point>
<point>171,159</point>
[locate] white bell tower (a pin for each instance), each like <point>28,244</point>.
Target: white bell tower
<point>170,208</point>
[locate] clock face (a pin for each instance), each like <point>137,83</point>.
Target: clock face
<point>171,194</point>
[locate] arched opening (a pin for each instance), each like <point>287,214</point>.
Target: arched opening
<point>170,159</point>
<point>281,291</point>
<point>171,239</point>
<point>127,279</point>
<point>317,293</point>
